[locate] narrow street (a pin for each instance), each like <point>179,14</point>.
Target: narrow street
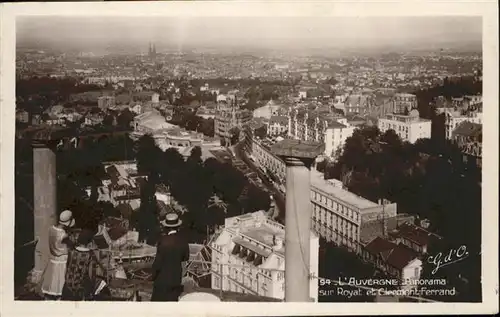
<point>278,197</point>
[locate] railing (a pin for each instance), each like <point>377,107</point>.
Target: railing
<point>239,282</point>
<point>229,281</point>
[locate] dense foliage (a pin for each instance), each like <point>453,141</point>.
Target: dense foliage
<point>191,122</point>
<point>196,184</point>
<point>36,94</point>
<point>428,179</point>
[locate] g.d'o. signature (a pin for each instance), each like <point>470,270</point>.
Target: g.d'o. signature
<point>443,259</point>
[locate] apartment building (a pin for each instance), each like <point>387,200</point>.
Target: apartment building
<point>394,259</point>
<point>248,256</point>
<point>469,138</point>
<point>228,117</point>
<point>404,103</point>
<point>338,215</point>
<point>277,125</point>
<point>328,128</point>
<point>270,164</point>
<point>453,118</point>
<point>408,127</point>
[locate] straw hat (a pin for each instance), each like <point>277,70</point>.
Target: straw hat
<point>171,220</point>
<point>66,218</point>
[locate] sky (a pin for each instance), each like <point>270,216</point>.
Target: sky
<point>261,32</point>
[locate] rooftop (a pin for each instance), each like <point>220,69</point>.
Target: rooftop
<point>298,148</point>
<point>414,233</point>
<point>318,182</point>
<point>396,255</point>
<point>267,235</point>
<point>467,128</point>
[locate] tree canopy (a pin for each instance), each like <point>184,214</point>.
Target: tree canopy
<point>428,179</point>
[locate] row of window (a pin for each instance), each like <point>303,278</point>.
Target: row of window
<point>335,236</point>
<point>347,230</point>
<point>334,206</point>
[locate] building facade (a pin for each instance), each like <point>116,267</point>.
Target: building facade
<point>277,125</point>
<point>248,256</point>
<point>229,117</point>
<point>330,129</point>
<point>395,260</point>
<point>404,103</point>
<point>453,118</point>
<point>270,164</point>
<point>105,102</point>
<point>338,214</point>
<point>408,127</point>
<point>469,138</point>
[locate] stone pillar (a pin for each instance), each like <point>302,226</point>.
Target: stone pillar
<point>298,157</point>
<point>44,203</point>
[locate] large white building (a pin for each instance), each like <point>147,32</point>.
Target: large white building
<point>338,215</point>
<point>229,116</point>
<point>408,127</point>
<point>248,256</point>
<point>267,161</point>
<point>328,128</point>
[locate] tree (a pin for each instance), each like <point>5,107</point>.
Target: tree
<point>125,118</point>
<point>173,164</point>
<point>206,127</point>
<point>195,157</point>
<point>146,220</point>
<point>428,179</point>
<point>256,199</point>
<point>261,132</point>
<point>321,165</point>
<point>108,120</point>
<point>148,157</point>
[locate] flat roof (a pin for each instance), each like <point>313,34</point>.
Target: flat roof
<point>317,181</point>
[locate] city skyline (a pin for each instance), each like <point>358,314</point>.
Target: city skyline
<point>285,33</point>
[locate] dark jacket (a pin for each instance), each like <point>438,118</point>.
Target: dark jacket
<point>171,251</point>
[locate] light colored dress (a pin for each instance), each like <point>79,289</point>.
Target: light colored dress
<point>53,279</point>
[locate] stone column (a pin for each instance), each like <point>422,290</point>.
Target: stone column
<point>44,203</point>
<point>298,157</point>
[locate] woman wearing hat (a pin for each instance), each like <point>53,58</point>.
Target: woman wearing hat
<point>53,278</point>
<point>82,281</point>
<point>171,251</point>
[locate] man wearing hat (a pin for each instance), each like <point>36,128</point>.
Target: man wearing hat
<point>171,251</point>
<point>53,278</point>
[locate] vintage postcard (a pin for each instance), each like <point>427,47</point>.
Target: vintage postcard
<point>265,158</point>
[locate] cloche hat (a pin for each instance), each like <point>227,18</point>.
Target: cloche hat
<point>66,218</point>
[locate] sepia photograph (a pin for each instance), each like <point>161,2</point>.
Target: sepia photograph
<point>303,159</point>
